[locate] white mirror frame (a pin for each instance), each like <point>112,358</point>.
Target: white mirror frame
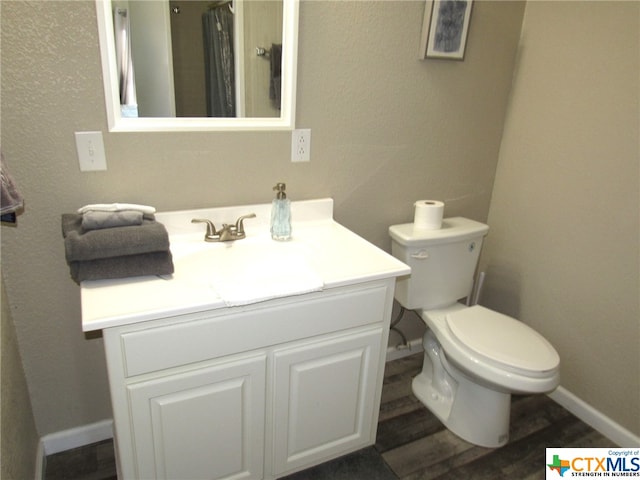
<point>117,123</point>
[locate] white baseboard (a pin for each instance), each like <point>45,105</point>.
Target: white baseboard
<point>400,351</point>
<point>39,473</point>
<point>77,437</point>
<point>72,438</point>
<point>594,418</point>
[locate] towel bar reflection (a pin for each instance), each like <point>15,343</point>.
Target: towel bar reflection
<point>263,52</point>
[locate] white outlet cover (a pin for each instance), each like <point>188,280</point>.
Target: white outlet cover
<point>301,145</point>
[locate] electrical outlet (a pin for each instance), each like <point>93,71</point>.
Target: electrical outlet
<point>90,149</point>
<point>301,145</point>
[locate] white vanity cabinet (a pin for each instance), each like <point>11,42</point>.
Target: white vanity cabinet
<point>208,388</point>
<point>253,392</point>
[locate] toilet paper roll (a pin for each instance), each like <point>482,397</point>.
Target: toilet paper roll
<point>428,214</point>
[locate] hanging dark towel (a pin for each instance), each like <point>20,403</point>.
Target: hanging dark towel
<point>11,200</point>
<point>275,83</point>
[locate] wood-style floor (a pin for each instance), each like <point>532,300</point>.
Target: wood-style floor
<point>412,442</point>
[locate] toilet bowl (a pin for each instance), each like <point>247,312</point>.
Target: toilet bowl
<point>475,358</point>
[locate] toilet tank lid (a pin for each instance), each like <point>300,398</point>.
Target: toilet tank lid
<point>454,228</point>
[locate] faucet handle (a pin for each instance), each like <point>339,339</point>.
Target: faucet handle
<point>240,223</point>
<point>226,233</point>
<point>211,234</point>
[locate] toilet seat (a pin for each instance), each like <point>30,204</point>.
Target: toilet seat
<point>502,341</point>
<point>470,343</point>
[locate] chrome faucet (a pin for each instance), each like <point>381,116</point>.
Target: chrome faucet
<point>227,233</point>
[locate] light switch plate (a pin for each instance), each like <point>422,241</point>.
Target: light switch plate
<point>90,149</point>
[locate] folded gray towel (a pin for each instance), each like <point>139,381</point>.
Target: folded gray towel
<point>80,245</point>
<point>95,220</point>
<point>154,263</point>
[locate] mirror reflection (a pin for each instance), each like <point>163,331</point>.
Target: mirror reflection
<point>188,65</point>
<point>198,58</point>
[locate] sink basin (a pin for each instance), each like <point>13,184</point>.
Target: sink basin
<point>249,270</point>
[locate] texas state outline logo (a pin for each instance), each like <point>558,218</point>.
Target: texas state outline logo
<point>592,462</point>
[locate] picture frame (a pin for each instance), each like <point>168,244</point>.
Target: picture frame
<point>445,28</point>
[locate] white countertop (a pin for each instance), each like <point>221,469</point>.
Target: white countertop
<point>337,255</point>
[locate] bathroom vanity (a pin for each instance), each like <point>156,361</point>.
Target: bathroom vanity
<point>222,370</point>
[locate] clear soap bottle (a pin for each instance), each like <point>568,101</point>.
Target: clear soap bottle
<point>281,214</point>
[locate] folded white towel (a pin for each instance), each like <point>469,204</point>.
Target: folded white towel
<point>116,207</point>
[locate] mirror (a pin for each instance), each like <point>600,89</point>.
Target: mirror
<point>137,114</point>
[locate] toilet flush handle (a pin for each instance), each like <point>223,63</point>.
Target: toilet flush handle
<point>420,255</point>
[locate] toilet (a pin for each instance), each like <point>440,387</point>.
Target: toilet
<point>475,358</point>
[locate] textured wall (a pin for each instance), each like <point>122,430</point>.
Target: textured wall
<point>387,130</point>
<point>19,439</point>
<point>563,250</point>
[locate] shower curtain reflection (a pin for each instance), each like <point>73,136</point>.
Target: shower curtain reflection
<point>219,60</point>
<point>124,59</point>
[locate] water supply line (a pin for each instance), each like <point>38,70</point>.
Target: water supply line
<point>476,290</point>
<point>393,327</point>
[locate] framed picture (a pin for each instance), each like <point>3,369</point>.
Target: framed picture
<point>445,28</point>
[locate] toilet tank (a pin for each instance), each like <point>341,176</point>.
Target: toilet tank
<point>443,262</point>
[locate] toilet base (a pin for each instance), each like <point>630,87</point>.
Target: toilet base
<point>474,412</point>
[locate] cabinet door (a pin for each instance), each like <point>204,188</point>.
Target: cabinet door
<point>207,423</point>
<point>324,399</point>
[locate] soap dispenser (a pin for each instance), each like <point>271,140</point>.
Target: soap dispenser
<point>281,214</point>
